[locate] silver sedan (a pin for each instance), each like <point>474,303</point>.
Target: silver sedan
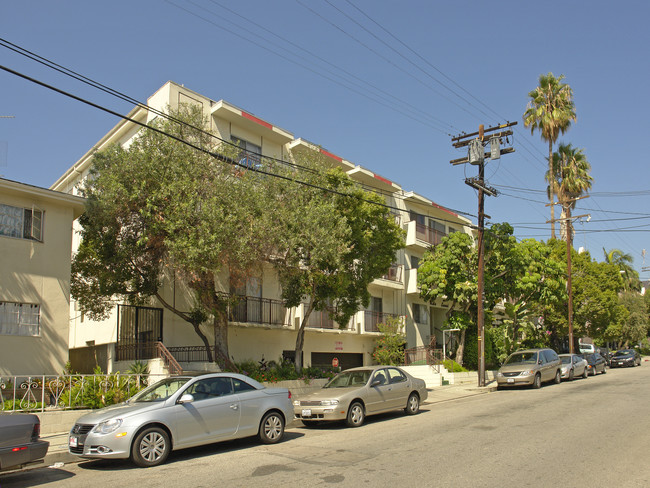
<point>358,392</point>
<point>573,365</point>
<point>180,412</point>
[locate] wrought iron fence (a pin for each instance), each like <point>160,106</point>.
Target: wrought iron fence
<point>51,392</point>
<point>424,355</point>
<point>371,319</point>
<point>259,310</point>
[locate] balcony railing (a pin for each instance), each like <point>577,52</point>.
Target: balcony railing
<point>428,234</point>
<point>371,319</point>
<point>394,274</point>
<point>259,311</point>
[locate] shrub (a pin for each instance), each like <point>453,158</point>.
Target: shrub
<point>280,371</point>
<point>390,346</point>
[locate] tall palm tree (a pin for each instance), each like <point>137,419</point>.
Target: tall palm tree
<point>624,263</point>
<point>551,111</point>
<point>569,174</point>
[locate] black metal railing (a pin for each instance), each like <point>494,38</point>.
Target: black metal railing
<point>259,311</point>
<point>135,350</point>
<point>423,355</point>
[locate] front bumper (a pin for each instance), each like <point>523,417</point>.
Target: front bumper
<point>320,412</point>
<point>515,380</point>
<point>622,363</point>
<point>108,446</point>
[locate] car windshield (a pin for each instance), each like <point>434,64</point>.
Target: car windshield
<point>522,358</point>
<point>160,391</point>
<point>624,352</point>
<point>350,378</point>
<point>566,359</point>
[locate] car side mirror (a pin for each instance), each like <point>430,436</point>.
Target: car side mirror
<point>375,383</point>
<point>539,361</point>
<point>186,398</point>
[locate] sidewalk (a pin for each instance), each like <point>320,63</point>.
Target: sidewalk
<point>58,451</point>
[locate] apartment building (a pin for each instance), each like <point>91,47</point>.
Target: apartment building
<point>260,325</point>
<point>35,255</point>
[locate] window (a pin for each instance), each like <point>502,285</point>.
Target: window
<point>415,262</point>
<point>420,314</point>
<point>395,376</point>
<point>250,153</point>
<point>21,319</point>
<point>23,223</point>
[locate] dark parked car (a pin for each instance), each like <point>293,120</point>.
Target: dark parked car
<point>605,353</point>
<point>626,357</point>
<point>596,363</point>
<point>20,443</point>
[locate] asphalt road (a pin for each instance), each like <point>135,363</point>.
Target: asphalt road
<point>590,432</point>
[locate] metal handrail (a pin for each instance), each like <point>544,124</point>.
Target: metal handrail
<point>168,358</point>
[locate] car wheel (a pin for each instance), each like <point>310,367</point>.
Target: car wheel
<point>571,375</point>
<point>151,447</point>
<point>355,416</point>
<point>558,377</point>
<point>593,371</point>
<point>412,404</point>
<point>271,428</point>
<point>537,382</point>
<point>604,369</point>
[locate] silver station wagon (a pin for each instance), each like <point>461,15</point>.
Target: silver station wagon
<point>180,412</point>
<point>358,392</point>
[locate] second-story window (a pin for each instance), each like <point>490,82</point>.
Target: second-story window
<point>23,223</point>
<point>249,154</point>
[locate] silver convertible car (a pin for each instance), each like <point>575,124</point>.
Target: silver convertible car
<point>180,412</point>
<point>357,392</point>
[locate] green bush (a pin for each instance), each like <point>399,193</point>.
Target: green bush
<point>390,346</point>
<point>281,371</point>
<point>100,390</point>
<point>452,366</point>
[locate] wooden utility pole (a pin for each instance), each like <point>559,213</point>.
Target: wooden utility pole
<point>477,156</point>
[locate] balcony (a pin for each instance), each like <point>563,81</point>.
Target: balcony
<point>393,278</point>
<point>412,287</point>
<point>322,320</point>
<point>422,236</point>
<point>371,319</point>
<point>259,311</point>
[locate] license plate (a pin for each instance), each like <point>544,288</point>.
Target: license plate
<point>306,412</point>
<point>73,442</point>
<point>511,380</point>
<point>620,364</point>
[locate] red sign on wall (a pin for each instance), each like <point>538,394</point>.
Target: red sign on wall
<point>335,362</point>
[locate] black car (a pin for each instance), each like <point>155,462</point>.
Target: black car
<point>626,357</point>
<point>596,363</point>
<point>605,353</point>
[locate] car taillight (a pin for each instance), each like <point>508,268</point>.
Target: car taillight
<point>36,432</point>
<point>289,394</point>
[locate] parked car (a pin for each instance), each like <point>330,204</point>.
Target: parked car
<point>530,367</point>
<point>20,442</point>
<point>605,353</point>
<point>586,348</point>
<point>626,357</point>
<point>596,363</point>
<point>179,412</point>
<point>355,393</point>
<point>573,365</point>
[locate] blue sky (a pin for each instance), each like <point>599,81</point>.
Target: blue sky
<point>382,84</point>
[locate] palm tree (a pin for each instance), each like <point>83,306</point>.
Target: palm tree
<point>550,110</point>
<point>569,175</point>
<point>624,263</point>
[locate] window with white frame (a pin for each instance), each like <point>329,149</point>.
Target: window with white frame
<point>23,223</point>
<point>21,319</point>
<point>420,314</point>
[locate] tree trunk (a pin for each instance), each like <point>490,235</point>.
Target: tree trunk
<point>552,187</point>
<point>461,348</point>
<point>221,350</point>
<point>300,338</point>
<point>203,337</point>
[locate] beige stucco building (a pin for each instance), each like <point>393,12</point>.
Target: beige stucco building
<point>260,326</point>
<point>35,256</point>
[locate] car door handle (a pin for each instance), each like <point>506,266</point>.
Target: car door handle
<point>234,406</point>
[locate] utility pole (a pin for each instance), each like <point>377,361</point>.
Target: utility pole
<point>477,156</point>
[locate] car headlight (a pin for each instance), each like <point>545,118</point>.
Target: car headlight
<point>329,402</point>
<point>107,426</point>
<point>528,372</point>
<point>296,403</point>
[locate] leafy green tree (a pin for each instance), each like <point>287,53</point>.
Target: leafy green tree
<point>333,245</point>
<point>550,110</point>
<point>160,210</point>
<point>390,346</point>
<point>634,326</point>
